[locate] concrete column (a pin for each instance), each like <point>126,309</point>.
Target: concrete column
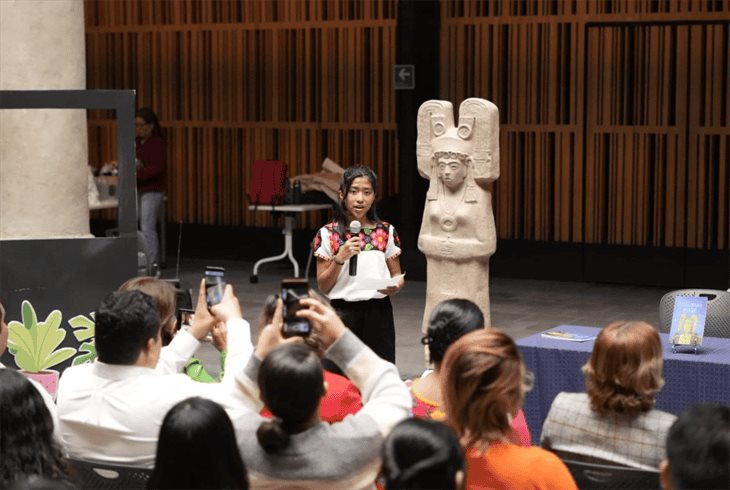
<point>43,153</point>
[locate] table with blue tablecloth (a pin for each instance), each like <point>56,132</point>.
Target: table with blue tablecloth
<point>690,378</point>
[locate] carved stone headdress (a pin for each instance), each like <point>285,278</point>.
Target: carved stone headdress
<point>477,137</point>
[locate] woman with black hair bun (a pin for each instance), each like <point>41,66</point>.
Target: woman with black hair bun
<point>197,449</point>
<point>27,444</point>
<point>295,405</point>
<point>296,448</point>
<point>422,454</point>
<point>450,320</point>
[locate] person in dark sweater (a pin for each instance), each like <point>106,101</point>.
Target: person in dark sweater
<point>151,169</point>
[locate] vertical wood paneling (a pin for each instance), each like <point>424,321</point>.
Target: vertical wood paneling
<point>614,115</point>
<point>234,82</point>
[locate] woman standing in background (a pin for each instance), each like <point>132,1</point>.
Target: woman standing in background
<point>151,168</point>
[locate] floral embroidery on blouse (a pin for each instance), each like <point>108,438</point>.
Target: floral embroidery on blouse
<point>421,407</point>
<point>375,238</point>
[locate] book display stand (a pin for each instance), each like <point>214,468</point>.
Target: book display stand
<point>688,323</point>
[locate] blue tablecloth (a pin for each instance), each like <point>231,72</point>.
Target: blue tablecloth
<point>689,378</point>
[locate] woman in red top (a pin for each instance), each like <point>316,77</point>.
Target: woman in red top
<point>151,167</point>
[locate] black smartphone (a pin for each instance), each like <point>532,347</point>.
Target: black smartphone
<point>215,284</point>
<point>185,318</point>
<point>292,291</point>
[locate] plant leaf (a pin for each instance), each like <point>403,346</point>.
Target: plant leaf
<point>58,357</point>
<point>26,361</point>
<point>28,314</point>
<point>50,335</point>
<point>35,344</point>
<point>90,355</point>
<point>84,327</point>
<point>30,321</point>
<point>21,345</point>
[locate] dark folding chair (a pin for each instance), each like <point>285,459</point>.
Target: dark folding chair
<point>87,474</point>
<point>595,476</point>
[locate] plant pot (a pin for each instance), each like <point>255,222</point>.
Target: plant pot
<point>47,378</point>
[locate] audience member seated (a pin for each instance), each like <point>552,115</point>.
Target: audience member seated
<point>111,410</point>
<point>197,449</point>
<point>296,448</point>
<point>698,450</point>
<point>4,332</point>
<point>422,454</point>
<point>342,397</point>
<point>27,444</point>
<point>450,320</point>
<point>483,384</point>
<point>615,421</point>
<point>165,300</point>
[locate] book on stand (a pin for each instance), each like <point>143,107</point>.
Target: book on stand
<point>688,320</point>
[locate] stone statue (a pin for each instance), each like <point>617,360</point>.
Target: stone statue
<point>457,233</point>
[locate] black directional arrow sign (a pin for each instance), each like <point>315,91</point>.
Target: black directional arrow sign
<point>404,77</point>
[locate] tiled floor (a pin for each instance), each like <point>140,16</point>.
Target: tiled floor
<point>521,307</point>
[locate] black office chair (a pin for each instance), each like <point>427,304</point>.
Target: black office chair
<point>87,474</point>
<point>594,476</point>
<point>717,323</point>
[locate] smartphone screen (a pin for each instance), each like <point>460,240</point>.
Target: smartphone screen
<point>185,318</point>
<point>214,284</point>
<point>293,290</point>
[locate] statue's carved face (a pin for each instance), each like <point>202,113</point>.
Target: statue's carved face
<point>452,172</point>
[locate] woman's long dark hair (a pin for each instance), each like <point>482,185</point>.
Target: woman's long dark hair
<point>197,449</point>
<point>149,116</point>
<point>450,320</point>
<point>352,173</point>
<point>291,383</point>
<point>27,444</point>
<point>421,453</point>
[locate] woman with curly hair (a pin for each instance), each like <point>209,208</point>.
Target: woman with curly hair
<point>615,421</point>
<point>27,444</point>
<point>483,384</point>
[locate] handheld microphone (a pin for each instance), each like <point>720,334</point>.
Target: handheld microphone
<point>354,231</point>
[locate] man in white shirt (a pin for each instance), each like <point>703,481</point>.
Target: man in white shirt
<point>4,332</point>
<point>111,410</point>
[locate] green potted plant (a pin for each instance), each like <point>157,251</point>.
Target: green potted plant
<point>35,345</point>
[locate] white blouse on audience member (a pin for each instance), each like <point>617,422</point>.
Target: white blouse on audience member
<point>113,413</point>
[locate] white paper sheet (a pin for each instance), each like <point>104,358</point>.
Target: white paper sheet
<point>374,284</point>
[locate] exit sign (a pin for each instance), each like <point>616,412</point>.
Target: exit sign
<point>404,77</point>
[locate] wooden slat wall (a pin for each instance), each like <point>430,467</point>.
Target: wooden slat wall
<point>233,82</point>
<point>615,115</point>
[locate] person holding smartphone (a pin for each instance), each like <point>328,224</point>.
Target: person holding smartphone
<point>376,249</point>
<point>297,448</point>
<point>163,294</point>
